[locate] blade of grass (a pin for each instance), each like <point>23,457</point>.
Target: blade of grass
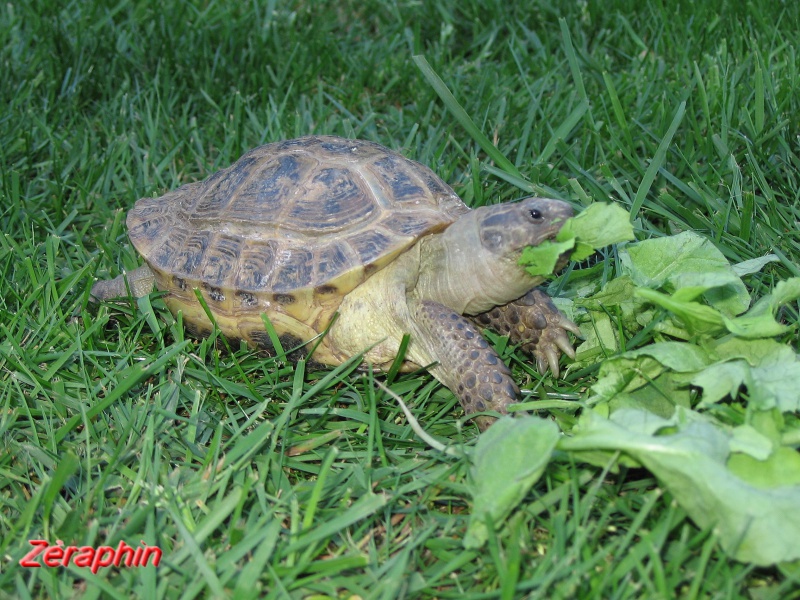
<point>562,131</point>
<point>127,379</point>
<point>657,162</point>
<point>319,487</point>
<point>207,526</point>
<point>463,118</point>
<point>619,112</point>
<point>397,363</point>
<point>362,508</point>
<point>192,547</point>
<point>67,465</point>
<point>255,566</point>
<point>574,67</point>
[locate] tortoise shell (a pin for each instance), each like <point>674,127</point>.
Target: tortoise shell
<point>288,230</point>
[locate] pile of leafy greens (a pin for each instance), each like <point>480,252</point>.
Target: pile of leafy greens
<point>709,404</point>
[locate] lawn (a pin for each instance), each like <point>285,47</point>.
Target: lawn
<point>259,477</point>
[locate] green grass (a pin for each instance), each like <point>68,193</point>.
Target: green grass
<point>260,478</point>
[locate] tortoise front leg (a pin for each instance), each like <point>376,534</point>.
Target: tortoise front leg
<point>467,364</point>
<point>536,325</point>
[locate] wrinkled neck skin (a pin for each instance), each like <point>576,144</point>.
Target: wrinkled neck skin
<point>457,271</point>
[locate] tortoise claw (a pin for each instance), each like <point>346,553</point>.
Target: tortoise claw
<point>534,323</point>
<point>562,341</point>
<point>552,360</point>
<point>569,325</point>
<point>541,364</point>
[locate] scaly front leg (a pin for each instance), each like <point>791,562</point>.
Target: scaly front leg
<point>536,325</point>
<point>467,364</point>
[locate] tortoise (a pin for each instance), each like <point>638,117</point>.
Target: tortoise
<point>305,228</point>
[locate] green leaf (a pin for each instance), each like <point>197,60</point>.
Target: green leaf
<point>698,318</point>
<point>776,386</point>
<point>678,356</point>
<point>759,321</point>
<point>659,396</point>
<point>617,298</point>
<point>598,225</point>
<point>756,352</point>
<point>507,460</point>
<point>599,339</point>
<point>686,260</point>
<point>781,468</point>
<point>754,525</point>
<point>616,292</point>
<point>753,265</point>
<point>760,324</point>
<point>635,369</point>
<point>786,291</point>
<point>721,380</point>
<point>540,261</point>
<point>769,370</point>
<point>749,440</point>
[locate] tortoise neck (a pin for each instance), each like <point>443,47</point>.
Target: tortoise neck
<point>458,271</point>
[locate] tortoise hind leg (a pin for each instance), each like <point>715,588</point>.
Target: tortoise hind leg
<point>140,281</point>
<point>467,364</point>
<point>536,325</point>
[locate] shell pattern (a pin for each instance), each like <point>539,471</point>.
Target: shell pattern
<point>288,230</point>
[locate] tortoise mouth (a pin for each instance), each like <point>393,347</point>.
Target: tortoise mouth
<point>553,230</point>
<point>562,261</point>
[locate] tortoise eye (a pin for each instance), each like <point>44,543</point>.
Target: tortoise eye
<point>535,214</point>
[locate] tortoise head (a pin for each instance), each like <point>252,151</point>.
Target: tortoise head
<point>475,266</point>
<point>506,229</point>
